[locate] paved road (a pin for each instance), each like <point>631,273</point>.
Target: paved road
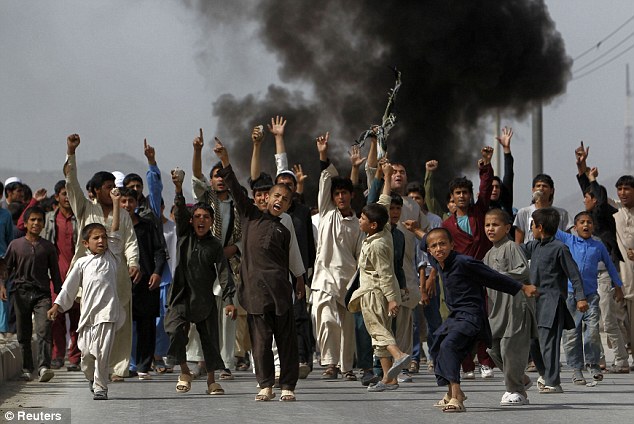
<point>319,402</point>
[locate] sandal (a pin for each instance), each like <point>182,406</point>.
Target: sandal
<point>331,373</point>
<point>226,375</point>
<point>184,384</point>
<point>265,394</point>
<point>349,376</point>
<point>454,405</point>
<point>443,402</point>
<point>287,396</point>
<point>215,389</point>
<point>159,366</point>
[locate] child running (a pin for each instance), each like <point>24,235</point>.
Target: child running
<point>101,313</point>
<point>464,279</point>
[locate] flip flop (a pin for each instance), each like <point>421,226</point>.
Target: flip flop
<point>265,394</point>
<point>454,405</point>
<point>215,389</point>
<point>287,396</point>
<point>184,384</point>
<point>397,366</point>
<point>443,402</point>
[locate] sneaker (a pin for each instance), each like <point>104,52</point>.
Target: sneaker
<point>46,374</point>
<point>405,377</point>
<point>486,371</point>
<point>469,375</point>
<point>513,399</point>
<point>578,378</point>
<point>144,375</point>
<point>304,370</point>
<point>101,395</point>
<point>57,364</point>
<point>368,378</point>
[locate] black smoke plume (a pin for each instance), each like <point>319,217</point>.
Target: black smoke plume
<point>461,61</point>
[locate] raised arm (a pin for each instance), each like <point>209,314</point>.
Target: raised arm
<point>182,216</point>
<point>243,203</point>
<point>115,195</point>
<point>328,170</point>
<point>356,160</point>
<point>371,166</point>
<point>257,136</point>
<point>506,191</point>
<point>153,177</point>
<point>277,127</point>
<point>76,196</point>
<point>197,159</point>
<point>486,179</point>
<point>431,200</point>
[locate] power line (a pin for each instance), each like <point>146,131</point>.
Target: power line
<point>596,59</point>
<point>598,44</point>
<point>603,64</point>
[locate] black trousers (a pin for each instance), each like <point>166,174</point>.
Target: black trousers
<point>28,300</point>
<point>262,329</point>
<point>208,332</point>
<point>145,342</point>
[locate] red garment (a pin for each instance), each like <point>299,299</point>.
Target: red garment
<point>64,242</point>
<point>476,245</point>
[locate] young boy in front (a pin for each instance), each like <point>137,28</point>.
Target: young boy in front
<point>31,263</point>
<point>464,279</point>
<point>191,299</point>
<point>512,318</point>
<point>101,312</point>
<point>378,296</point>
<point>265,291</point>
<point>584,340</point>
<point>551,267</point>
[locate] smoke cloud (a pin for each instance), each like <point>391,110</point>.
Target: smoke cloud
<point>461,60</point>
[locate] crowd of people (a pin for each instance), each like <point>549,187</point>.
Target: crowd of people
<point>356,281</point>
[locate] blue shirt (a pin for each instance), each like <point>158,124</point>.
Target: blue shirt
<point>6,231</point>
<point>587,253</point>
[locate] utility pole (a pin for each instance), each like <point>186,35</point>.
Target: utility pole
<point>627,154</point>
<point>538,140</point>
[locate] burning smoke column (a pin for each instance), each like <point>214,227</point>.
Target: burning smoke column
<point>460,59</point>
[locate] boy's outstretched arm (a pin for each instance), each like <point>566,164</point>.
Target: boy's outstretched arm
<point>153,178</point>
<point>75,194</point>
<point>182,215</point>
<point>257,136</point>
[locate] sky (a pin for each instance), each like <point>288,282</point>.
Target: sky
<point>119,71</point>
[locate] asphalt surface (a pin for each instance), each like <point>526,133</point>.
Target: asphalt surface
<point>318,401</point>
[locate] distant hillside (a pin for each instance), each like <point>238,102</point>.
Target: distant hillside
<point>86,169</point>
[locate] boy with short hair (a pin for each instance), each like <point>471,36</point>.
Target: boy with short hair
<point>464,279</point>
<point>584,340</point>
<point>200,261</point>
<point>512,318</point>
<point>32,264</point>
<point>265,291</point>
<point>101,311</point>
<point>378,296</point>
<point>551,267</point>
<point>145,293</point>
<point>338,249</point>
